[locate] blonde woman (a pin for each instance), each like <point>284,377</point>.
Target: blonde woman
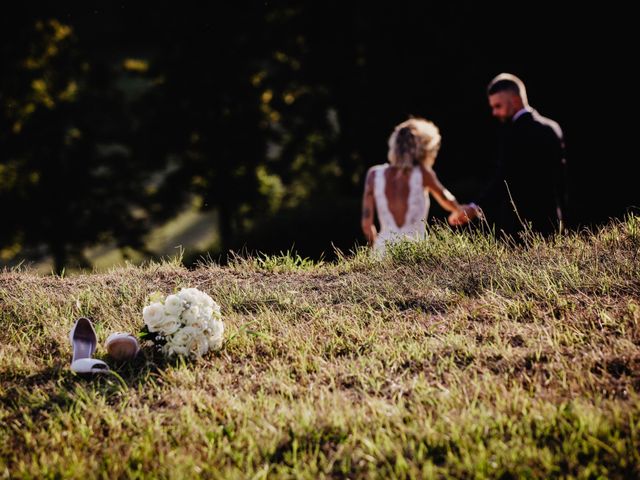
<point>399,190</point>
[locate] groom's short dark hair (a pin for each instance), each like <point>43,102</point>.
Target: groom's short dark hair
<point>507,82</point>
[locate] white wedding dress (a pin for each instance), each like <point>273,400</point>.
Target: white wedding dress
<point>413,227</point>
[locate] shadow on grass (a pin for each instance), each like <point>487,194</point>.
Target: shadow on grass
<point>58,387</point>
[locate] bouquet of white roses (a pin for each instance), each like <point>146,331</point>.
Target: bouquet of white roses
<point>187,323</point>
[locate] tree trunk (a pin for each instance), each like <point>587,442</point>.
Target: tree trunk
<point>59,254</point>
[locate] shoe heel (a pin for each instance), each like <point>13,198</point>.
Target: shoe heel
<point>122,346</point>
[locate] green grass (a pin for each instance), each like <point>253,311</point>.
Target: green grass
<point>459,357</point>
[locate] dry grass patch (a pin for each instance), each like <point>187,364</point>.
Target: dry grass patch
<point>458,357</point>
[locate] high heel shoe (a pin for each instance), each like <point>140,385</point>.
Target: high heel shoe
<point>84,340</point>
<point>122,346</point>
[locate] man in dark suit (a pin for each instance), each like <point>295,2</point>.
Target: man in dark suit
<point>529,182</point>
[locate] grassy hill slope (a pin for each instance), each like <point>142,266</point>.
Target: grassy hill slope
<point>457,357</point>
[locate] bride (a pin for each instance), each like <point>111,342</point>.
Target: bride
<point>399,190</point>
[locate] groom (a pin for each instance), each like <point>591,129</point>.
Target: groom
<point>529,182</point>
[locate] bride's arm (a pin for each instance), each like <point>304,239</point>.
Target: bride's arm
<point>444,197</point>
<point>460,214</point>
<point>368,206</point>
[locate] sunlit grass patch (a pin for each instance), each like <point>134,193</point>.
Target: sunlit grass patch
<point>462,356</point>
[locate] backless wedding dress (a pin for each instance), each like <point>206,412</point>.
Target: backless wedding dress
<point>413,227</point>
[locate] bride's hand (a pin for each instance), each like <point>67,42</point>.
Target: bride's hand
<point>457,218</point>
<point>465,214</point>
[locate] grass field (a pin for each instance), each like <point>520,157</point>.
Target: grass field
<point>459,357</point>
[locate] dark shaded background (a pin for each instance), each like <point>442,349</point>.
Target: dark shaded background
<point>356,69</point>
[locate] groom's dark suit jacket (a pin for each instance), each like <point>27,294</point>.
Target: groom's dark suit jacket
<point>530,174</point>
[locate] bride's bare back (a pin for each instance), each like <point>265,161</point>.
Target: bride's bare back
<point>396,189</point>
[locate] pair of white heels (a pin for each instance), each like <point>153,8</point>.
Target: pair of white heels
<point>84,341</point>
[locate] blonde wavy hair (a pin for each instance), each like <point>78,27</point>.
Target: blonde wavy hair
<point>413,142</point>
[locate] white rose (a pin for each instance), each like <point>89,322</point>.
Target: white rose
<point>199,324</point>
<point>198,297</point>
<point>191,315</point>
<point>188,295</point>
<point>202,345</point>
<point>152,315</point>
<point>173,305</point>
<point>216,334</point>
<point>185,341</point>
<point>217,328</point>
<point>208,301</point>
<point>206,312</point>
<point>169,324</point>
<point>215,343</point>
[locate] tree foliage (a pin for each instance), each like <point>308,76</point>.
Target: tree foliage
<point>114,117</point>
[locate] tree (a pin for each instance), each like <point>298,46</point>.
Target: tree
<point>250,131</point>
<point>67,175</point>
